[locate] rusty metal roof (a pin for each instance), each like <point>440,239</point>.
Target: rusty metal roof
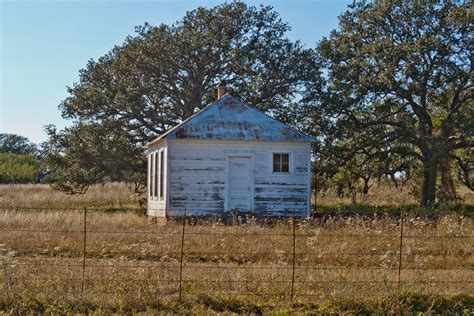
<point>231,119</point>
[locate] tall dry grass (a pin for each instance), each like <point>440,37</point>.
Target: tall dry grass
<point>134,263</point>
<point>109,195</point>
<point>385,194</point>
<point>385,198</point>
<point>121,197</point>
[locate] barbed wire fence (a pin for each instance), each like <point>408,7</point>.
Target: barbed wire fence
<point>265,272</point>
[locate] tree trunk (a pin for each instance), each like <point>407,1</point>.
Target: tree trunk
<point>447,192</point>
<point>429,183</point>
<point>352,192</point>
<point>365,190</point>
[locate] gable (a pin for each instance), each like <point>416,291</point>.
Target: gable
<point>231,119</point>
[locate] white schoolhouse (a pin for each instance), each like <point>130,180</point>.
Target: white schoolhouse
<point>230,156</point>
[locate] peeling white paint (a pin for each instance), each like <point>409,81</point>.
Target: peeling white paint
<point>198,178</point>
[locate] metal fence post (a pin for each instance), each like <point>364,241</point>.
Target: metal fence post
<point>51,256</point>
<point>84,251</point>
<point>400,253</point>
<point>181,258</point>
<point>294,257</point>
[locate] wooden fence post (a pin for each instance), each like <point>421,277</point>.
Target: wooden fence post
<point>181,258</point>
<point>400,253</point>
<point>84,251</point>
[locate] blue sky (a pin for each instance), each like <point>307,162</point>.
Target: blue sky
<point>44,44</point>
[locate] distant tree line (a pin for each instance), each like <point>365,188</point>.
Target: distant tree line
<point>20,160</point>
<point>388,94</point>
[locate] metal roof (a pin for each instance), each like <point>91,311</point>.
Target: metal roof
<point>230,119</point>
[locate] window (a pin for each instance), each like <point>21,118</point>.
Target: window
<point>162,159</point>
<point>150,175</point>
<point>281,162</point>
<point>156,169</point>
<point>156,173</point>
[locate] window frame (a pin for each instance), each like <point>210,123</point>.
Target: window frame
<point>149,174</point>
<point>156,175</point>
<point>272,163</point>
<point>161,189</point>
<point>152,175</point>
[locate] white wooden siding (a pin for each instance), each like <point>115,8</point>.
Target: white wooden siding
<point>198,169</point>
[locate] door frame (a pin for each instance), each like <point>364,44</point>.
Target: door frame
<point>251,179</point>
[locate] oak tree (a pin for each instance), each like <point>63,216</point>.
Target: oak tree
<point>165,73</point>
<point>400,74</point>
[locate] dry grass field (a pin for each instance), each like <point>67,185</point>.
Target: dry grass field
<point>118,196</point>
<point>339,263</point>
<point>385,195</point>
<point>111,195</point>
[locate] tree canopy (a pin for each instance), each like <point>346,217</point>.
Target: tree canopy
<point>18,168</point>
<point>82,155</point>
<point>399,81</point>
<point>16,144</point>
<point>19,160</point>
<point>164,73</point>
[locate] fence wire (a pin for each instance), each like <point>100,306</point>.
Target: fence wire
<point>184,263</point>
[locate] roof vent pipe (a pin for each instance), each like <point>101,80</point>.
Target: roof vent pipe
<point>220,89</point>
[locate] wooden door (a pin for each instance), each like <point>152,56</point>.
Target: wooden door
<point>240,194</point>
